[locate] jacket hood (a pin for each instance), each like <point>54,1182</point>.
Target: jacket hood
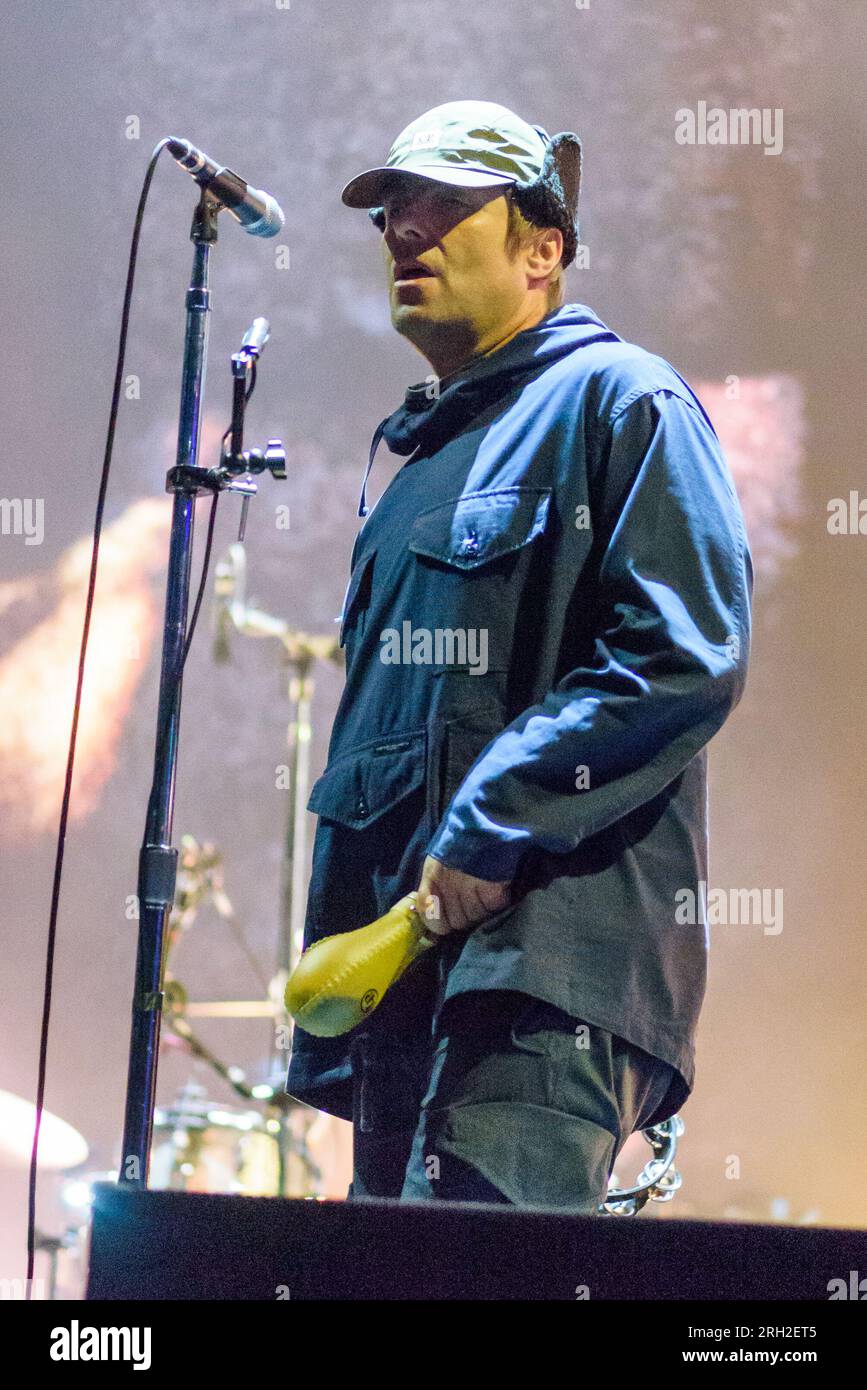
<point>428,416</point>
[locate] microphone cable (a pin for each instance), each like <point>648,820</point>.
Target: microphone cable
<point>67,787</point>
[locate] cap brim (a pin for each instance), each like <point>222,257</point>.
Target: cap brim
<point>366,190</point>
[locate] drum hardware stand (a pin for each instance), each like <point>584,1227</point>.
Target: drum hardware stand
<point>157,857</point>
<point>276,1103</point>
<point>200,879</point>
<point>51,1246</point>
<point>658,1180</point>
<point>300,652</point>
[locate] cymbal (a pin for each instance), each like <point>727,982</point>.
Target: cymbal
<point>60,1146</point>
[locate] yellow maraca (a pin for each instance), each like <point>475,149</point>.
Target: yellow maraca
<point>340,980</point>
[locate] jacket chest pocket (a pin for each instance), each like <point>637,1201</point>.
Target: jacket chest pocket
<point>473,531</point>
<point>472,552</point>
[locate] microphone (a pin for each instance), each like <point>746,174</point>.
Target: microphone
<point>256,337</point>
<point>258,213</point>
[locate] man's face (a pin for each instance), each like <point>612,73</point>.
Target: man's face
<point>452,284</point>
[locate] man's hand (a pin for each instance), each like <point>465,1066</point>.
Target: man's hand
<point>450,900</point>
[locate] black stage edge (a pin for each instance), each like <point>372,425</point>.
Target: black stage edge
<point>173,1245</point>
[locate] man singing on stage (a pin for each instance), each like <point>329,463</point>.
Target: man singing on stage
<point>547,620</point>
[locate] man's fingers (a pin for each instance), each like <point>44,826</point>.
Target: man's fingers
<point>432,910</point>
<point>499,897</point>
<point>450,901</point>
<point>483,904</point>
<point>451,908</point>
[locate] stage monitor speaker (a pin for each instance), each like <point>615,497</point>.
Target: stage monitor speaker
<point>176,1245</point>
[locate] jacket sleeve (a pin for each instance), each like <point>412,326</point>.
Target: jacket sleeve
<point>672,595</point>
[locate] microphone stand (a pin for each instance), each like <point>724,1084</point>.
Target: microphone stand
<point>157,857</point>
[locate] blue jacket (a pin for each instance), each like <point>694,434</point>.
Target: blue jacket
<point>547,619</point>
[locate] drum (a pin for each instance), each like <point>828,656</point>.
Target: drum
<point>202,1147</point>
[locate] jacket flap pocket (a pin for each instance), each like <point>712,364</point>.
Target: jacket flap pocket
<point>359,787</point>
<point>357,592</point>
<point>481,526</point>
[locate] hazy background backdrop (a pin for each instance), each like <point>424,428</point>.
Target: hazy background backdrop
<point>741,268</point>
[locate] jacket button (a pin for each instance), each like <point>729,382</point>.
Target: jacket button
<point>361,808</point>
<point>470,544</point>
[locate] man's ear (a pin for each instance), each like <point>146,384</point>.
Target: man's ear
<point>544,253</point>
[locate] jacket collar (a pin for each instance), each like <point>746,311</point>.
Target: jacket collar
<point>434,410</point>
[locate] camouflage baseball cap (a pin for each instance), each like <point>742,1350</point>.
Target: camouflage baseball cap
<point>474,144</point>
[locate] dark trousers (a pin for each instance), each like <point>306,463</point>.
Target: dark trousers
<point>512,1101</point>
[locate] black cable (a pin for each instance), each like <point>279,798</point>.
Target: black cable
<point>70,762</point>
<point>206,561</point>
<point>67,787</point>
